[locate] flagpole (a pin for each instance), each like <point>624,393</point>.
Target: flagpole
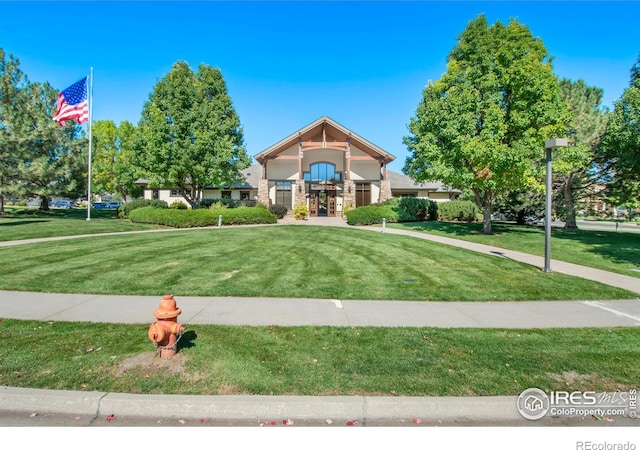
<point>90,144</point>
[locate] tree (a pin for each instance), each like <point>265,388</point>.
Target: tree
<point>191,135</point>
<point>574,170</point>
<point>483,124</point>
<point>621,144</point>
<point>113,156</point>
<point>37,156</point>
<point>13,103</point>
<point>54,160</point>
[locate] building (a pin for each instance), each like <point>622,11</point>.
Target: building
<point>324,166</point>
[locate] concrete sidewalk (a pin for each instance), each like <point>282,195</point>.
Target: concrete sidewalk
<point>319,312</point>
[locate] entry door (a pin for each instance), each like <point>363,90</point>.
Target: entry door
<point>313,204</point>
<point>331,203</point>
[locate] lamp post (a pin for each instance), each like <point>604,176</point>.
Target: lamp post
<point>549,145</point>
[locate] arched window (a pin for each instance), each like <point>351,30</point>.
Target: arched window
<point>322,172</point>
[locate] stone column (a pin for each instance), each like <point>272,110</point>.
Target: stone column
<point>385,190</point>
<point>263,192</point>
<point>348,198</point>
<point>299,192</point>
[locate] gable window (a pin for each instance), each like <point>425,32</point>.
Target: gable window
<point>322,172</point>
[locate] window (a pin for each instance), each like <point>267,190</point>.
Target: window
<point>283,193</point>
<point>322,172</point>
<point>226,194</point>
<point>363,194</point>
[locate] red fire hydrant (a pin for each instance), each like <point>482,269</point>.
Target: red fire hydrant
<point>166,331</point>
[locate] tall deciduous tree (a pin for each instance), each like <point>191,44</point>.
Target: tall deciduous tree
<point>191,135</point>
<point>622,144</point>
<point>574,167</point>
<point>484,122</point>
<point>113,156</point>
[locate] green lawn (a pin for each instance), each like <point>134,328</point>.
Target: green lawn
<point>283,261</point>
<point>612,251</point>
<point>29,223</point>
<point>319,360</point>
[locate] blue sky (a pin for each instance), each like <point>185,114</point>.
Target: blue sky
<point>362,63</point>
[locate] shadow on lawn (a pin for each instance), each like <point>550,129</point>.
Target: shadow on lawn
<point>11,223</point>
<point>614,246</point>
<point>618,247</point>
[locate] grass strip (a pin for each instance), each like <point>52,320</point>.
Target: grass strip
<point>218,360</point>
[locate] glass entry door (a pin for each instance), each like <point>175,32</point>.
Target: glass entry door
<point>322,203</point>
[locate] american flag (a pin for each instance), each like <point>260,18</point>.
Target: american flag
<point>72,103</point>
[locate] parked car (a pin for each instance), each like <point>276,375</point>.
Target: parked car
<point>106,205</point>
<point>534,220</point>
<point>68,204</point>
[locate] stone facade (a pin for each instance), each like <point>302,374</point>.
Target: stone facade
<point>299,196</point>
<point>263,192</point>
<point>385,190</point>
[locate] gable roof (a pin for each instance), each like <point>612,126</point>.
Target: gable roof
<point>329,129</point>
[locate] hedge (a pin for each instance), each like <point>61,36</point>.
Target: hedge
<point>372,214</point>
<point>179,218</point>
<point>402,209</point>
<point>458,210</point>
<point>124,211</point>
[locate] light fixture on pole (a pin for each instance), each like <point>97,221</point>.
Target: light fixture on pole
<point>549,145</point>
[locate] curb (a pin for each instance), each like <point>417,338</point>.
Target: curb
<point>257,407</point>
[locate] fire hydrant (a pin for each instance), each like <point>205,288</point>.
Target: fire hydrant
<point>166,331</point>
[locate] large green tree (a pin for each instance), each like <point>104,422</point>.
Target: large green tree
<point>37,157</point>
<point>574,167</point>
<point>483,124</point>
<point>113,170</point>
<point>621,144</point>
<point>13,103</point>
<point>190,134</point>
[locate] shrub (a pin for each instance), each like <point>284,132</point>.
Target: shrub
<point>300,212</point>
<point>205,203</point>
<point>178,205</point>
<point>411,209</point>
<point>179,218</point>
<point>278,210</point>
<point>124,211</point>
<point>372,214</point>
<point>458,210</point>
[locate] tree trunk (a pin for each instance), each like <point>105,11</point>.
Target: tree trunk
<point>570,205</point>
<point>484,200</point>
<point>486,218</point>
<point>44,203</point>
<point>2,205</point>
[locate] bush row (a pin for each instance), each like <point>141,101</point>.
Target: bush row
<point>181,218</point>
<point>411,209</point>
<point>124,211</point>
